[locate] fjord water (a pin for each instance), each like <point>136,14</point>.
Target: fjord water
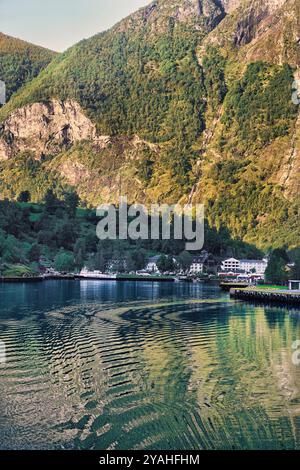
<point>106,365</point>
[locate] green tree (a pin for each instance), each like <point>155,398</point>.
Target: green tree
<point>185,260</point>
<point>34,253</point>
<point>100,262</point>
<point>24,196</point>
<point>136,260</point>
<point>276,272</point>
<point>51,202</point>
<point>64,261</point>
<point>166,264</point>
<point>295,272</point>
<point>71,201</point>
<point>130,263</point>
<point>65,234</point>
<point>79,259</point>
<point>140,257</point>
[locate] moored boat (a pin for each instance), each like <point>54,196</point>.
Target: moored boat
<point>96,275</point>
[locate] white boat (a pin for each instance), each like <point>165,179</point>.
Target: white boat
<point>86,274</point>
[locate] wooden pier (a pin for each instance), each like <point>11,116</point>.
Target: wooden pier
<point>227,286</point>
<point>267,296</point>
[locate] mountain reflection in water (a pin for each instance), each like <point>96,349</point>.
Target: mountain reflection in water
<point>106,365</point>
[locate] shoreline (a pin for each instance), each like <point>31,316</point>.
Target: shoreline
<point>35,279</point>
<point>120,278</point>
<point>39,279</point>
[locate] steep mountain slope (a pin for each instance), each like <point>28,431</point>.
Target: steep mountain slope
<point>143,54</point>
<point>20,62</point>
<point>249,173</point>
<point>256,30</point>
<point>183,100</point>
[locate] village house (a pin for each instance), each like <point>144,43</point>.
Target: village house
<point>151,266</point>
<point>230,265</point>
<point>205,261</point>
<point>248,266</point>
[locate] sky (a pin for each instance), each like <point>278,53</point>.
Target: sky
<point>58,24</point>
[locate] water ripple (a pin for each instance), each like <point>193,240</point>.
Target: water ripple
<point>165,373</point>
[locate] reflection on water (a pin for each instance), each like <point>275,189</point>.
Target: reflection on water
<point>105,365</point>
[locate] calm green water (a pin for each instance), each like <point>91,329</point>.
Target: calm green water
<point>94,365</point>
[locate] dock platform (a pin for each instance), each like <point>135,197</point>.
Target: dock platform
<point>227,286</point>
<point>288,297</point>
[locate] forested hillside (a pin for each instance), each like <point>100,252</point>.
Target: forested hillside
<point>56,233</point>
<point>182,101</point>
<point>20,62</point>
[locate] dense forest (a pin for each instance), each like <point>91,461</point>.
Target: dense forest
<point>20,62</point>
<point>61,235</point>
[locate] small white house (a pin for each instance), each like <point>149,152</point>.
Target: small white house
<point>152,264</point>
<point>294,285</point>
<point>202,262</point>
<point>197,266</point>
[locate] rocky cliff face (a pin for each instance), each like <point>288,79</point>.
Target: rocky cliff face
<point>256,30</point>
<point>160,15</point>
<point>45,129</point>
<point>230,5</point>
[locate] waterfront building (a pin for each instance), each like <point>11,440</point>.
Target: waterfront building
<point>152,264</point>
<point>249,266</point>
<point>254,266</point>
<point>205,261</point>
<point>197,265</point>
<point>231,265</point>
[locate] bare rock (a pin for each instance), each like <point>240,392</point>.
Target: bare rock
<point>46,129</point>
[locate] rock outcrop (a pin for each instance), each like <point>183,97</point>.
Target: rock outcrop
<point>256,30</point>
<point>230,5</point>
<point>160,15</point>
<point>45,129</point>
